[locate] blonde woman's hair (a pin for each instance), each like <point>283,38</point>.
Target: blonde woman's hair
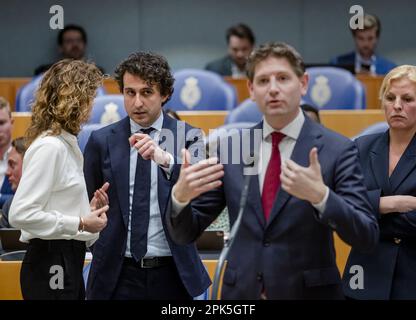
<point>400,72</point>
<point>64,98</point>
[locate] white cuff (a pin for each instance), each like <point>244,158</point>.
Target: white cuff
<point>177,206</point>
<point>70,225</point>
<point>321,206</point>
<point>168,169</point>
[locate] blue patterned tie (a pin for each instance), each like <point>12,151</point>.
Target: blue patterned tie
<point>140,211</point>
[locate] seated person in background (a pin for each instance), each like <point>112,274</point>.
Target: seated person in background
<point>14,173</point>
<point>6,125</point>
<point>72,43</point>
<point>311,112</point>
<point>240,41</point>
<point>388,163</point>
<point>364,58</point>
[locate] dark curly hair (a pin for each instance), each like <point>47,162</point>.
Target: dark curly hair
<point>150,67</point>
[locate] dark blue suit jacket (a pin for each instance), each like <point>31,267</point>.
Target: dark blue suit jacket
<point>221,66</point>
<point>6,191</point>
<point>106,158</point>
<point>293,252</point>
<point>389,271</point>
<point>383,65</point>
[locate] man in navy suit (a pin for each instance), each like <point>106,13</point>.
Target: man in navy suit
<point>364,58</point>
<point>307,184</point>
<point>134,258</point>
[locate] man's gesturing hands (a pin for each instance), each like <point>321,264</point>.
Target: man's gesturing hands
<point>198,178</point>
<point>149,149</point>
<point>304,182</point>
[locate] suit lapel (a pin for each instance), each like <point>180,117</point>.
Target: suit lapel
<point>254,200</point>
<point>163,184</point>
<point>228,66</point>
<point>309,137</point>
<point>379,158</point>
<point>119,150</point>
<point>405,166</point>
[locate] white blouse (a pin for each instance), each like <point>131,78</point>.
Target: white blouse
<point>52,194</point>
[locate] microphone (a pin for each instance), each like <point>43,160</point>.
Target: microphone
<point>228,244</point>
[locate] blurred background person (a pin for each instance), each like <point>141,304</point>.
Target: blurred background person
<point>72,44</point>
<point>6,127</point>
<point>13,173</point>
<point>240,41</point>
<point>364,58</point>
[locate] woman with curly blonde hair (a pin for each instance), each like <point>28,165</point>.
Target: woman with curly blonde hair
<point>51,205</point>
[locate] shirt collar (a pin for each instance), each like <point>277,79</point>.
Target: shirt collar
<point>360,59</point>
<point>134,127</point>
<point>292,130</point>
<point>69,137</point>
<point>236,72</point>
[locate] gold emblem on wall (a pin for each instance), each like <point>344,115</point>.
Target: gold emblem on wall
<point>320,91</point>
<point>191,93</point>
<point>110,114</point>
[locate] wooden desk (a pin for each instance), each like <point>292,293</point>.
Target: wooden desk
<point>372,86</point>
<point>346,122</point>
<point>10,278</point>
<point>111,86</point>
<point>204,119</point>
<point>9,88</point>
<point>350,122</point>
<point>241,87</point>
<point>10,272</point>
<point>21,123</point>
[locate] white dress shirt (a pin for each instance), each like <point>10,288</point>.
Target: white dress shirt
<point>286,146</point>
<point>236,72</point>
<point>359,60</point>
<point>52,195</point>
<point>157,244</point>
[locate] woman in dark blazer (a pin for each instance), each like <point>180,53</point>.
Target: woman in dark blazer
<point>389,165</point>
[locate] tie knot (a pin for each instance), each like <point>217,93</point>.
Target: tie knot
<point>147,130</point>
<point>276,138</point>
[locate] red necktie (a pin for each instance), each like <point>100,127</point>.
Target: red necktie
<point>272,178</point>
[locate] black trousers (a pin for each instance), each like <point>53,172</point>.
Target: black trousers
<point>52,270</point>
<point>159,283</point>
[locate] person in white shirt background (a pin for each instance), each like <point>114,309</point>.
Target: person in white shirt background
<point>51,205</point>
